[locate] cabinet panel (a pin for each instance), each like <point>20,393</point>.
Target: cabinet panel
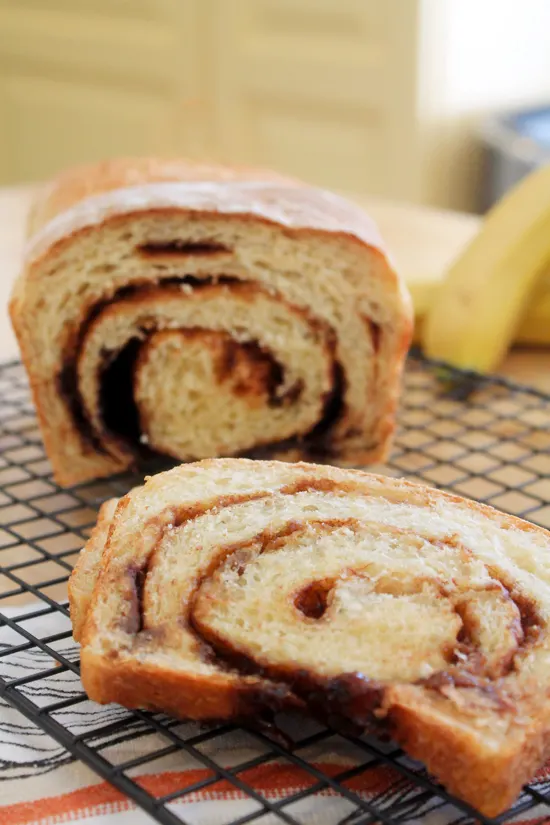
<point>299,87</point>
<point>81,81</point>
<point>124,50</point>
<point>308,141</point>
<point>313,27</point>
<point>51,124</point>
<point>141,9</point>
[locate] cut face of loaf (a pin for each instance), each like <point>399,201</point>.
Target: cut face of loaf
<point>230,587</point>
<point>200,311</point>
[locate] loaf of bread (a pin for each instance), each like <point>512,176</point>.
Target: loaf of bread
<point>196,311</point>
<point>228,588</point>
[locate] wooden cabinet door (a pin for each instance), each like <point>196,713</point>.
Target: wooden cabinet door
<point>324,89</point>
<point>84,80</point>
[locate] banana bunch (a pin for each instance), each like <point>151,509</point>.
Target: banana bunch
<point>498,289</point>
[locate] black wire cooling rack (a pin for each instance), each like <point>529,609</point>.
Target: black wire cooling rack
<point>480,437</point>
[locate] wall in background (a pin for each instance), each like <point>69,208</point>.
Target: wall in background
<point>323,89</point>
<point>367,96</point>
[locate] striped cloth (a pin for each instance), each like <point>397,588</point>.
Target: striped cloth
<point>42,784</point>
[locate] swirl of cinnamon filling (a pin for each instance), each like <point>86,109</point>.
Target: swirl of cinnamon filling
<point>193,371</point>
<point>231,587</point>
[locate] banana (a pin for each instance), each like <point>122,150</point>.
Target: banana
<point>534,327</point>
<point>485,295</point>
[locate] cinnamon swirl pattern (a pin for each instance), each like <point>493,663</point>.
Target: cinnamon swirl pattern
<point>232,588</point>
<point>201,311</point>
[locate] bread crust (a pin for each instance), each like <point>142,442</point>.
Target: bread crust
<point>482,737</point>
<point>81,182</point>
<point>112,198</point>
<point>300,210</point>
<point>81,586</point>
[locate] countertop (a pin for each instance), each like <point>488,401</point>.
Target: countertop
<point>423,242</point>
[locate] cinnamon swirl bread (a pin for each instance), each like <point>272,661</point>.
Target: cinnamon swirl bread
<point>228,587</point>
<point>197,311</point>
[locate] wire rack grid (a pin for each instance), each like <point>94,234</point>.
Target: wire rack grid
<point>480,437</point>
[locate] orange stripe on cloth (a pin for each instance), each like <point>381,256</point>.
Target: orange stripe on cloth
<point>269,780</point>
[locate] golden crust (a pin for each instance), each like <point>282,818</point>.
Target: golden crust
<point>84,181</point>
<point>302,210</point>
<point>151,687</point>
<point>483,747</point>
<point>489,782</point>
<point>81,585</point>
